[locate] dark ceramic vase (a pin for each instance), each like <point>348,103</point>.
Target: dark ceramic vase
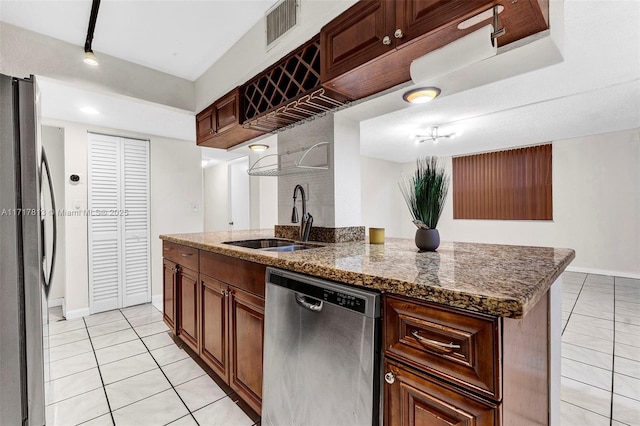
<point>427,239</point>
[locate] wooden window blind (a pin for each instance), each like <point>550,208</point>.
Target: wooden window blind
<point>507,185</point>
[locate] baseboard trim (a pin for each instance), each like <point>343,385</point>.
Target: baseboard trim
<point>55,302</point>
<point>156,300</point>
<point>77,313</point>
<point>603,272</point>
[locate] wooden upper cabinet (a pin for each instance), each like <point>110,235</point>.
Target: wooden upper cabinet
<point>357,37</point>
<point>227,111</point>
<point>205,125</point>
<point>370,47</point>
<point>417,18</point>
<point>220,124</point>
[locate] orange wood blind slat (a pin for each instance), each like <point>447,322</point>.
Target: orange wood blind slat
<point>506,185</point>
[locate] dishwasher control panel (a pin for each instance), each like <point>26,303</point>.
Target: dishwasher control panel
<point>345,300</point>
<point>335,297</point>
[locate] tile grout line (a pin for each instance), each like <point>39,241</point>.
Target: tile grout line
<point>574,304</point>
<point>163,373</point>
<point>104,389</point>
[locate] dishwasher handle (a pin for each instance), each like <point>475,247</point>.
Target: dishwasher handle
<point>314,306</point>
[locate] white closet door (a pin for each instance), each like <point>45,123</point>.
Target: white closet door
<point>104,228</point>
<point>135,230</point>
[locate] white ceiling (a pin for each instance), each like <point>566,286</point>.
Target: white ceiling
<point>179,37</point>
<point>595,89</point>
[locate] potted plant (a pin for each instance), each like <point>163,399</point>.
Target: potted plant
<point>425,193</point>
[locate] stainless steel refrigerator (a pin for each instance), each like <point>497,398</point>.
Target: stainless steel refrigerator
<point>25,273</point>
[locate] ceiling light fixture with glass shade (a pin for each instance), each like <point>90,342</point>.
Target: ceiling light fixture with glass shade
<point>421,95</point>
<point>435,135</point>
<point>89,56</point>
<point>258,147</point>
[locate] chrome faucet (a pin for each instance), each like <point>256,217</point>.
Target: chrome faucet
<point>307,219</point>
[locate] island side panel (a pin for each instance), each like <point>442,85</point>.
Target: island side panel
<point>526,367</point>
<point>555,354</point>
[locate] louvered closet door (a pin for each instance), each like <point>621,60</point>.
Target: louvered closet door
<point>135,254</point>
<point>104,227</point>
<point>119,238</point>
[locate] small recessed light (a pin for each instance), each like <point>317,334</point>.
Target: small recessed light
<point>89,110</point>
<point>90,58</point>
<point>258,147</point>
<point>421,95</point>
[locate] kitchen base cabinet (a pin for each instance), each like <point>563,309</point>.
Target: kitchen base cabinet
<point>214,313</point>
<point>169,276</point>
<point>415,399</point>
<point>188,286</point>
<point>448,366</point>
<point>246,335</point>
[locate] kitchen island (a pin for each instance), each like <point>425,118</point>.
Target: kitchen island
<point>498,304</point>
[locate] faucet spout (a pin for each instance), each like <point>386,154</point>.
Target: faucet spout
<point>307,219</point>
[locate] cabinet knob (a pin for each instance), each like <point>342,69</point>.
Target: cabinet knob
<point>390,377</point>
<point>386,40</point>
<point>398,33</point>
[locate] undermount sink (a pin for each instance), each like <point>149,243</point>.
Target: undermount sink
<point>272,244</point>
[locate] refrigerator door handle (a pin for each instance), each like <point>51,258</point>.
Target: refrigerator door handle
<point>46,278</point>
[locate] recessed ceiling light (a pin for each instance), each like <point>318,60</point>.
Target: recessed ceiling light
<point>421,95</point>
<point>89,110</point>
<point>258,147</point>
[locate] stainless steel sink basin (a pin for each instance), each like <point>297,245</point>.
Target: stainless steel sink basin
<point>272,244</point>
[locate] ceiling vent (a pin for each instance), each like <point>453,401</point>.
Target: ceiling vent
<point>280,19</point>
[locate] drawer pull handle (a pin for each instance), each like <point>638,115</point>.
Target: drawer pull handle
<point>386,40</point>
<point>186,254</point>
<point>434,344</point>
<point>390,377</point>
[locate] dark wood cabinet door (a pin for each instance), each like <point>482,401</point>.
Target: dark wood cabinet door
<point>357,37</point>
<point>419,400</point>
<point>214,319</point>
<point>227,111</point>
<point>246,336</point>
<point>205,124</point>
<point>188,307</point>
<point>169,294</point>
<point>417,18</point>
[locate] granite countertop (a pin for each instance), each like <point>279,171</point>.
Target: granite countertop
<point>499,280</point>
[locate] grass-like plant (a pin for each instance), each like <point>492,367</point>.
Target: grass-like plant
<point>425,192</point>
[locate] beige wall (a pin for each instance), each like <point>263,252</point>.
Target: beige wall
<point>176,190</point>
<point>596,196</point>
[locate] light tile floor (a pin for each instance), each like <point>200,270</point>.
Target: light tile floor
<point>600,350</point>
<point>122,367</point>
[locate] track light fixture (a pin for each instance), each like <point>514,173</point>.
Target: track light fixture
<point>89,57</point>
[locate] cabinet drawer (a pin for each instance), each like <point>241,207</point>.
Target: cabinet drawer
<point>182,255</point>
<point>239,273</point>
<point>459,346</point>
<point>412,398</point>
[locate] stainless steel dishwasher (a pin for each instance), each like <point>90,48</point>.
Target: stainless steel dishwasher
<point>321,353</point>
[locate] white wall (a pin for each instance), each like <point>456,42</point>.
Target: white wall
<point>176,189</point>
<point>596,197</point>
<point>53,143</point>
<point>319,185</point>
